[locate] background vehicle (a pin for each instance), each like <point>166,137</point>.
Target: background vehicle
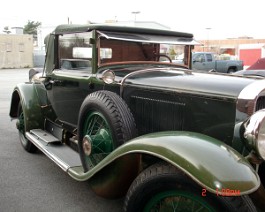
<point>257,69</point>
<point>257,73</point>
<point>206,61</point>
<point>258,65</point>
<point>154,131</point>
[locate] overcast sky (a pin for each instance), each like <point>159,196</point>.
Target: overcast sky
<point>225,18</point>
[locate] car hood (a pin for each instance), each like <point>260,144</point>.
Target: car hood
<point>211,84</point>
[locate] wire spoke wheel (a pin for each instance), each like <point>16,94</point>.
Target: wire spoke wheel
<point>105,122</point>
<point>177,201</point>
<point>98,130</point>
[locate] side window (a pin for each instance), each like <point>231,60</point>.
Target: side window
<point>209,57</point>
<point>199,58</point>
<point>75,52</point>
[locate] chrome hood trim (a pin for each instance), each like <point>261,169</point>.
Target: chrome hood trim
<point>247,99</point>
<point>253,90</point>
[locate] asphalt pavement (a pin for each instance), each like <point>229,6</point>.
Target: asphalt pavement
<point>32,182</point>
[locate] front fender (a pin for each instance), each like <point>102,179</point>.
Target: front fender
<point>33,99</point>
<point>209,162</point>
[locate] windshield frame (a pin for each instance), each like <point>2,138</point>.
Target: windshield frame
<point>186,43</point>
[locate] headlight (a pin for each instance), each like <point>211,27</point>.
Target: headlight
<point>108,76</point>
<point>255,132</point>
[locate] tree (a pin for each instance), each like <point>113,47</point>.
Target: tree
<point>6,30</point>
<point>31,28</point>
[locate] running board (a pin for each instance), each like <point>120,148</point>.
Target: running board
<point>60,153</point>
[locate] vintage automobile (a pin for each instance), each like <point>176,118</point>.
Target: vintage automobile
<point>111,108</point>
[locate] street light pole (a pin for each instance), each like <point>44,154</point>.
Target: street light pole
<point>208,32</point>
<point>135,13</point>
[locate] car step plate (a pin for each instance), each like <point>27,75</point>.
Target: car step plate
<point>45,136</point>
<point>63,155</point>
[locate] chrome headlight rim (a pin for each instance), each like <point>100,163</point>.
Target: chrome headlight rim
<point>255,132</point>
<point>108,76</point>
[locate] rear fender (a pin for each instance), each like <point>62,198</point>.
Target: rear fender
<point>209,162</point>
<point>33,99</point>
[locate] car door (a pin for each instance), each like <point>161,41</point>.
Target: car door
<point>69,82</point>
<point>67,92</point>
<point>209,63</point>
<point>198,62</point>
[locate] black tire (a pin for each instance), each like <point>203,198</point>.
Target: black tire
<point>231,70</point>
<point>27,145</point>
<point>163,181</point>
<point>118,124</point>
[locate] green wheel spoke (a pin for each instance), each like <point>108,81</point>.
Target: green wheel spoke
<point>92,125</point>
<point>97,128</point>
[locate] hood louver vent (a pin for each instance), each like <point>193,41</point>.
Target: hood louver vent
<point>158,114</point>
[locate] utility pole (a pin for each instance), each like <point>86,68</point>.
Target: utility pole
<point>135,13</point>
<point>208,41</point>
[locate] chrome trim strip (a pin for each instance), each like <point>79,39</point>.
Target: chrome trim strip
<point>149,38</point>
<point>253,132</point>
<point>252,90</point>
<point>247,98</point>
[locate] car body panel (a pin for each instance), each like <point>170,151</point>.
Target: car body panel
<point>30,102</point>
<point>195,154</point>
<point>217,86</point>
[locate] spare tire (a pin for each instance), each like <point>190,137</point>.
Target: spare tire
<point>105,122</point>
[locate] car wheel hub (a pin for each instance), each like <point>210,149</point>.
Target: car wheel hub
<point>87,146</point>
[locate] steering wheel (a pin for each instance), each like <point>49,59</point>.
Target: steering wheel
<point>159,56</point>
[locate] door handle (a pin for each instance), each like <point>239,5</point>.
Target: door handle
<point>55,81</point>
<point>49,83</point>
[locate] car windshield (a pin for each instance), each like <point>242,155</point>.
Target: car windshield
<point>130,47</point>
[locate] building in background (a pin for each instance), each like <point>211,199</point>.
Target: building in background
<point>250,53</point>
<point>16,51</point>
<point>226,46</point>
<point>243,48</point>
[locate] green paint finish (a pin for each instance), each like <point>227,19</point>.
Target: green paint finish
<point>35,105</point>
<point>98,130</point>
<point>209,162</point>
<point>30,103</point>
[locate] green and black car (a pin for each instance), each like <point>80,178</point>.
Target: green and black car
<point>111,107</point>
